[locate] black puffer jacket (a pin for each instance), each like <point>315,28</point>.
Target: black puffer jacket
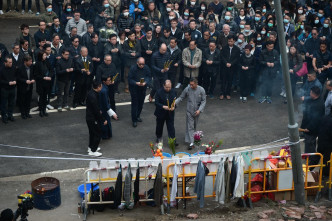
<point>116,56</point>
<point>157,63</point>
<point>61,66</point>
<point>127,50</point>
<point>125,23</point>
<point>104,70</point>
<point>176,58</point>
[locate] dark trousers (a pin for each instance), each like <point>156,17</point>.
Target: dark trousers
<point>172,77</point>
<point>29,4</point>
<point>111,91</point>
<point>322,77</point>
<point>63,88</point>
<point>170,126</point>
<point>245,82</point>
<point>94,135</point>
<point>157,84</point>
<point>7,102</point>
<point>137,100</point>
<point>226,80</point>
<point>209,82</point>
<point>310,147</point>
<point>43,89</point>
<point>56,7</point>
<point>267,79</point>
<point>293,78</point>
<point>9,4</point>
<point>24,100</point>
<point>181,76</point>
<point>38,4</point>
<point>82,86</point>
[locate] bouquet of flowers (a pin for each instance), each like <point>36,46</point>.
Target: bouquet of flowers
<point>212,147</point>
<point>198,137</point>
<point>157,150</point>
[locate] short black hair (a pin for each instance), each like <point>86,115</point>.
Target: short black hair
<point>105,77</point>
<point>316,90</point>
<point>93,35</point>
<point>112,36</point>
<point>175,39</point>
<point>27,58</point>
<point>65,50</point>
<point>193,80</point>
<point>229,37</point>
<point>193,40</point>
<point>6,58</point>
<point>95,84</point>
<point>46,46</point>
<point>23,26</point>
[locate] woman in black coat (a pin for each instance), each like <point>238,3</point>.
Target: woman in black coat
<point>247,67</point>
<point>295,63</point>
<point>43,75</point>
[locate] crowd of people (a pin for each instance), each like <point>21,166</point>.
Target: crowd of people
<point>142,44</point>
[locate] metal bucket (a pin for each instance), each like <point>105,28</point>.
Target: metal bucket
<point>46,193</point>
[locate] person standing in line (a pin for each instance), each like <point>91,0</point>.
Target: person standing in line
<point>192,60</point>
<point>94,119</point>
<point>8,84</point>
<point>139,78</point>
<point>328,101</point>
<point>25,81</point>
<point>165,110</point>
<point>195,105</point>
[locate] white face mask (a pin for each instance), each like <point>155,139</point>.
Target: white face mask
<point>200,18</point>
<point>203,8</point>
<point>126,14</point>
<point>300,11</point>
<point>168,9</point>
<point>171,17</point>
<point>192,3</point>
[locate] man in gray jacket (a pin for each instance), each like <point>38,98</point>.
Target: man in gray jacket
<point>195,105</point>
<point>77,22</point>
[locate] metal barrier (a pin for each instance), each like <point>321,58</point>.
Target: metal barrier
<point>330,178</point>
<point>147,177</point>
<point>185,178</point>
<point>266,171</point>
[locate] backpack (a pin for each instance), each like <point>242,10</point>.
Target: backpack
<point>95,197</point>
<point>109,195</point>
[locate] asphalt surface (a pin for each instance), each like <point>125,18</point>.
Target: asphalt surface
<point>236,123</point>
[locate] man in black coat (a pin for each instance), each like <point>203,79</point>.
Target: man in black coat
<point>108,69</point>
<point>25,81</point>
<point>165,110</point>
<point>149,45</point>
<point>42,33</point>
<point>84,75</point>
<point>94,118</point>
<point>211,64</point>
<point>314,110</point>
<point>230,55</point>
<point>139,78</point>
<point>8,84</point>
<point>96,50</point>
<point>175,57</point>
<point>64,70</point>
<point>17,56</point>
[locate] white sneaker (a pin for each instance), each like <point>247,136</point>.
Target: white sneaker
<point>50,107</point>
<point>59,109</point>
<point>95,154</point>
<point>241,98</point>
<point>67,107</point>
<point>23,12</point>
<point>30,12</point>
<point>1,12</point>
<point>89,149</point>
<point>178,85</point>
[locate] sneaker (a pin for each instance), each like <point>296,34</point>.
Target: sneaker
<point>67,107</point>
<point>89,149</point>
<point>268,100</point>
<point>30,12</point>
<point>282,93</point>
<point>59,109</point>
<point>252,94</point>
<point>95,154</point>
<point>50,107</point>
<point>38,13</point>
<point>262,100</point>
<point>23,12</point>
<point>244,100</point>
<point>1,12</point>
<point>178,86</point>
<point>241,98</point>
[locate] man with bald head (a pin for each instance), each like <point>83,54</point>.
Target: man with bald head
<point>139,78</point>
<point>84,70</point>
<point>165,110</point>
<point>159,61</point>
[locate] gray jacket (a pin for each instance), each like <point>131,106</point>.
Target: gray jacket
<point>196,99</point>
<point>81,26</point>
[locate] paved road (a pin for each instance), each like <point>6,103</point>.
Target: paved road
<point>236,123</point>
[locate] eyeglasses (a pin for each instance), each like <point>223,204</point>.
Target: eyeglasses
<point>140,64</point>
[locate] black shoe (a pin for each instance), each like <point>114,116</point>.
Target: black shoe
<point>190,147</point>
<point>7,10</point>
<point>5,120</point>
<point>74,105</point>
<point>134,124</point>
<point>16,9</point>
<point>28,115</point>
<point>45,113</point>
<point>11,118</point>
<point>23,116</point>
<point>41,114</point>
<point>176,144</point>
<point>139,119</point>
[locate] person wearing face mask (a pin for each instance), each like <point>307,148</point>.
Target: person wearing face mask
<point>247,32</point>
<point>135,9</point>
<point>257,21</point>
<point>125,22</point>
<point>325,32</point>
<point>310,46</point>
<point>48,15</point>
<point>217,7</point>
<point>247,68</point>
<point>67,14</point>
<point>88,12</point>
<point>107,30</point>
<point>109,11</point>
<point>288,27</point>
<point>99,20</point>
<point>230,7</point>
<point>228,19</point>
